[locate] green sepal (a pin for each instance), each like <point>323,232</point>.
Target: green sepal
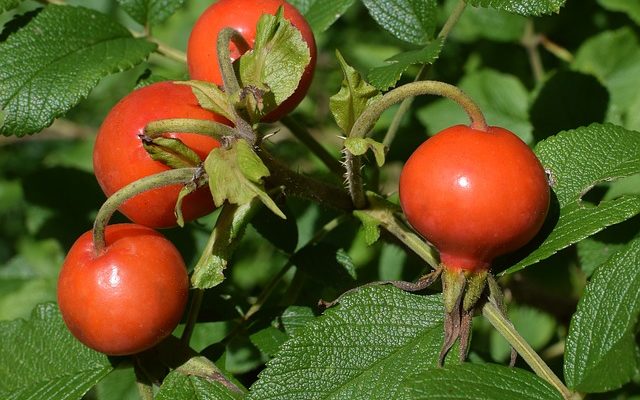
<point>211,97</point>
<point>235,175</point>
<point>453,287</point>
<point>354,96</point>
<point>273,68</point>
<point>184,192</point>
<point>171,152</point>
<point>476,282</point>
<point>359,146</point>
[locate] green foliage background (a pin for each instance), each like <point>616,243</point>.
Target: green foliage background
<point>589,55</point>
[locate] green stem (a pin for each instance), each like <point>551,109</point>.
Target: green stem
<point>316,148</point>
<point>454,17</point>
<point>371,114</point>
<point>229,79</point>
<point>530,41</point>
<point>170,177</point>
<point>168,51</point>
<point>192,316</point>
<point>187,125</point>
<point>506,329</point>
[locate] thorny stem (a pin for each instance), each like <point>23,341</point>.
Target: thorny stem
<point>371,114</point>
<point>506,329</point>
<point>406,103</point>
<point>316,148</point>
<point>171,177</point>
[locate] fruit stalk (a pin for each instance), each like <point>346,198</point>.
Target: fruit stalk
<point>171,177</point>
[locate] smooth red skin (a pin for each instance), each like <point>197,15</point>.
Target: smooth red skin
<point>128,298</point>
<point>474,195</point>
<point>119,157</point>
<point>243,16</point>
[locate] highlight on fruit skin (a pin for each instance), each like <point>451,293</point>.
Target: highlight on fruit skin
<point>129,297</point>
<point>474,194</point>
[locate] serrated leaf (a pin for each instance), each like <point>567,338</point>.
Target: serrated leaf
<point>578,160</point>
<point>277,61</point>
<point>269,340</point>
<point>150,12</point>
<point>211,97</point>
<point>503,98</point>
<point>39,359</point>
<point>235,175</point>
<point>631,8</point>
<point>389,74</point>
<point>354,96</point>
<point>180,386</point>
<point>171,152</point>
<point>522,7</point>
<point>478,381</point>
<point>486,23</point>
<point>52,63</point>
<point>601,347</point>
<point>413,21</point>
<point>321,14</point>
<point>359,146</point>
<point>373,333</point>
<point>9,4</point>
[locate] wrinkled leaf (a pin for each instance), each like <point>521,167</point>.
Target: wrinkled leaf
<point>522,7</point>
<point>359,146</point>
<point>9,4</point>
<point>413,21</point>
<point>388,75</point>
<point>601,351</point>
<point>354,96</point>
<point>321,14</point>
<point>578,160</point>
<point>59,52</point>
<point>150,12</point>
<point>39,359</point>
<point>180,386</point>
<point>211,97</point>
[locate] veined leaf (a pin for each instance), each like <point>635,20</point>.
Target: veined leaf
<point>150,12</point>
<point>522,7</point>
<point>321,14</point>
<point>413,21</point>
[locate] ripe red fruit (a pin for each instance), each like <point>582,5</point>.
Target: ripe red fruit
<point>243,16</point>
<point>474,195</point>
<point>119,157</point>
<point>129,297</point>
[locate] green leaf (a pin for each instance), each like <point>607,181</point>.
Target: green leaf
<point>211,97</point>
<point>9,4</point>
<point>39,359</point>
<point>388,75</point>
<point>614,58</point>
<point>277,61</point>
<point>354,96</point>
<point>522,7</point>
<point>370,227</point>
<point>631,8</point>
<point>171,152</point>
<point>179,386</point>
<point>487,23</point>
<point>120,384</point>
<point>51,64</point>
<point>362,349</point>
<point>413,21</point>
<point>359,146</point>
<point>601,347</point>
<point>150,12</point>
<point>321,14</point>
<point>577,161</point>
<point>504,100</point>
<point>235,175</point>
<point>228,231</point>
<point>478,381</point>
<point>269,340</point>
